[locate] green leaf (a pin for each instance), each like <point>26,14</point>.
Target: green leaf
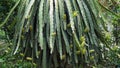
<point>1,60</point>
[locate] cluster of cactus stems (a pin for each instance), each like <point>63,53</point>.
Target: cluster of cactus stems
<point>59,33</point>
